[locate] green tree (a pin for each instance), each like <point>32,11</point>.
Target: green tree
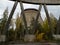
<point>53,21</point>
<point>11,34</point>
<point>58,26</point>
<point>11,31</point>
<point>19,31</point>
<point>46,29</point>
<point>4,20</point>
<point>38,27</point>
<point>46,26</point>
<point>0,25</point>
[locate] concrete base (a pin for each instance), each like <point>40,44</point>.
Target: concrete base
<point>29,38</point>
<point>37,44</point>
<point>2,38</point>
<point>56,36</point>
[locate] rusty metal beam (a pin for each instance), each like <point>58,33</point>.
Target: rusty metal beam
<point>39,12</point>
<point>48,18</point>
<point>9,19</point>
<point>47,2</point>
<point>37,17</point>
<point>24,18</point>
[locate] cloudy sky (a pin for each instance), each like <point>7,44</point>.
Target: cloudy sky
<point>55,10</point>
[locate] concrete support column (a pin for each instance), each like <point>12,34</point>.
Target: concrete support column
<point>9,19</point>
<point>24,18</point>
<point>49,21</point>
<point>37,17</point>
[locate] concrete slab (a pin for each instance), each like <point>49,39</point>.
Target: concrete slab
<point>48,2</point>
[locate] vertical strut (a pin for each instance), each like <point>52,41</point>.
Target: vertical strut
<point>38,12</point>
<point>35,23</point>
<point>49,21</point>
<point>9,19</point>
<point>24,18</point>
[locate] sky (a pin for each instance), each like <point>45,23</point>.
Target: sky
<point>55,10</point>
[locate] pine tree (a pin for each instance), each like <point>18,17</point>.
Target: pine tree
<point>19,31</point>
<point>46,26</point>
<point>58,26</point>
<point>4,20</point>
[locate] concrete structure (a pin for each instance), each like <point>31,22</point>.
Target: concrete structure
<point>36,43</point>
<point>40,1</point>
<point>29,14</point>
<point>44,2</point>
<point>2,38</point>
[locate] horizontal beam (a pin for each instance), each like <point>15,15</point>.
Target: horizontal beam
<point>47,2</point>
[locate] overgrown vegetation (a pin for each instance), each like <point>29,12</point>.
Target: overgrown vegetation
<point>41,32</point>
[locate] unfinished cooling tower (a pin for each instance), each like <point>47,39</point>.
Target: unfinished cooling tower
<point>30,14</point>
